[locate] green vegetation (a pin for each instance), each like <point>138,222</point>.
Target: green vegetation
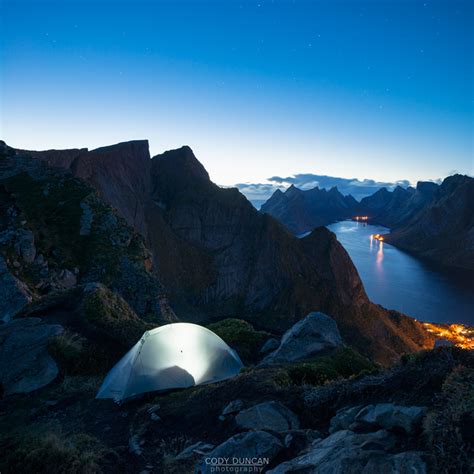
<point>242,337</point>
<point>76,355</point>
<point>48,450</point>
<point>342,364</point>
<point>54,205</point>
<point>449,427</point>
<point>52,208</point>
<point>110,315</point>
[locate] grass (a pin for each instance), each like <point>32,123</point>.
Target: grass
<point>45,449</point>
<point>448,428</point>
<point>109,314</point>
<point>76,355</point>
<point>242,337</point>
<point>342,364</point>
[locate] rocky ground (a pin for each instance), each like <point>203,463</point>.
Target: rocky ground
<point>310,404</point>
<point>78,289</point>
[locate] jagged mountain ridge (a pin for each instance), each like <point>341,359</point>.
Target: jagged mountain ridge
<point>219,257</point>
<point>443,230</point>
<point>303,210</point>
<point>432,221</point>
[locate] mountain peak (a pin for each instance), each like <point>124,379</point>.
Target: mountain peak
<point>182,164</point>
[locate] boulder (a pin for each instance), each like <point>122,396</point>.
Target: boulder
<point>66,279</point>
<point>233,407</point>
<point>259,446</point>
<point>198,448</point>
<point>390,416</point>
<point>382,415</point>
<point>300,440</point>
<point>270,346</point>
<point>316,334</point>
<point>267,416</point>
<point>354,453</point>
<point>25,245</point>
<point>14,295</point>
<point>344,419</point>
<point>25,364</point>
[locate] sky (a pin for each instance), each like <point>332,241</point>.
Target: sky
<point>373,90</point>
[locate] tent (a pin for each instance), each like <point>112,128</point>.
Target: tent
<point>176,355</point>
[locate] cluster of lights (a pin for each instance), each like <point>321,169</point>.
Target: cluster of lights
<point>458,334</point>
<point>361,218</point>
<point>378,237</point>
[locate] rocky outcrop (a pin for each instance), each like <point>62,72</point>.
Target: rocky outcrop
<point>354,453</point>
<point>25,364</point>
<point>443,230</point>
<point>259,447</point>
<point>382,415</point>
<point>314,335</point>
<point>302,211</point>
<point>392,209</point>
<point>272,416</point>
<point>57,234</point>
<point>14,295</point>
<point>215,254</point>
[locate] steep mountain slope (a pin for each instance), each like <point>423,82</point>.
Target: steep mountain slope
<point>391,209</point>
<point>63,247</point>
<point>443,230</point>
<point>219,257</point>
<point>302,211</point>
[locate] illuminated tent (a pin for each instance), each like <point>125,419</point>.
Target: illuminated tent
<point>172,356</point>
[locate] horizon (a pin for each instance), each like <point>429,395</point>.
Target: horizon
<point>310,89</point>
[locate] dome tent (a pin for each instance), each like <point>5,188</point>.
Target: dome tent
<point>176,355</point>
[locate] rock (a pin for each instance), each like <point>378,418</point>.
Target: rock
<point>374,417</point>
<point>270,345</point>
<point>390,416</point>
<point>344,419</point>
<point>25,245</point>
<point>14,295</point>
<point>233,407</point>
<point>86,219</point>
<point>267,416</point>
<point>313,335</point>
<point>67,279</point>
<point>134,445</point>
<point>24,342</point>
<point>198,448</point>
<point>260,446</point>
<point>344,452</point>
<point>300,440</point>
<point>153,408</point>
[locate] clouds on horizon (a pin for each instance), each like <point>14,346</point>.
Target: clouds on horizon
<point>260,192</point>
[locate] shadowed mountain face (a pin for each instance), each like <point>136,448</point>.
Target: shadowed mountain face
<point>432,221</point>
<point>219,257</point>
<point>302,211</point>
<point>443,230</point>
<point>391,209</point>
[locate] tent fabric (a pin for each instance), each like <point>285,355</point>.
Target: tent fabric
<point>178,355</point>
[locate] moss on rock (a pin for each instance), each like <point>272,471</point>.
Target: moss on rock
<point>242,337</point>
<point>109,314</point>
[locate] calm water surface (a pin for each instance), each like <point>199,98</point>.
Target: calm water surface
<point>397,280</point>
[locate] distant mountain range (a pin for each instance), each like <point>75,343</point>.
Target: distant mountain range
<point>210,253</point>
<point>433,221</point>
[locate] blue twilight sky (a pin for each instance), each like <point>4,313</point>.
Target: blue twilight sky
<point>356,89</point>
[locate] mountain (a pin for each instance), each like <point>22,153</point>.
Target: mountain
<point>301,211</point>
<point>442,230</point>
<point>393,208</point>
<point>217,256</point>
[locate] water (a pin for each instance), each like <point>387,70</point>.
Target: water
<point>397,280</point>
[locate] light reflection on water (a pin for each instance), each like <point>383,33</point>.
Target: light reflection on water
<point>400,281</point>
